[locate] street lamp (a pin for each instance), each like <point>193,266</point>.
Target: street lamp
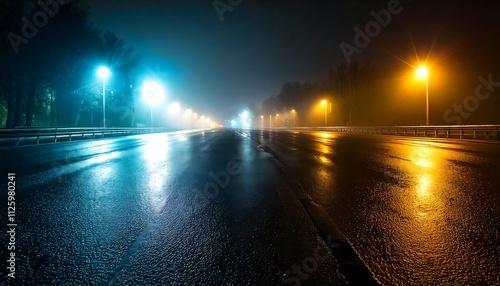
<point>187,116</point>
<point>423,73</point>
<point>195,116</point>
<point>173,110</point>
<point>245,119</point>
<point>294,114</point>
<point>153,93</point>
<point>324,103</point>
<point>262,121</point>
<point>104,73</point>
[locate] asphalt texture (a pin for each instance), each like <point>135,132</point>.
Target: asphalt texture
<point>418,211</point>
<point>253,207</point>
<point>182,208</point>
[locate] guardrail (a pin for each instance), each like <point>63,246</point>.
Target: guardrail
<point>483,132</point>
<point>24,136</point>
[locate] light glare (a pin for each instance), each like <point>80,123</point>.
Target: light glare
<point>153,92</point>
<point>103,72</point>
<point>422,72</point>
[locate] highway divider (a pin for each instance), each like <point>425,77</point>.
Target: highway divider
<point>479,132</point>
<point>27,136</point>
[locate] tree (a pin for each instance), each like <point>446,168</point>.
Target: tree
<point>56,62</point>
<point>10,12</point>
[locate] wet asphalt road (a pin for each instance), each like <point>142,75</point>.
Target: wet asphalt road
<point>192,208</point>
<point>210,208</point>
<point>419,212</point>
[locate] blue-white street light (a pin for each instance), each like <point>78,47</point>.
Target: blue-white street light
<point>153,93</point>
<point>104,73</point>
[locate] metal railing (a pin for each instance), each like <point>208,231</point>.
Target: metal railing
<point>481,132</point>
<point>24,136</point>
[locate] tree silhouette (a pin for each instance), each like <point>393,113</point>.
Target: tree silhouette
<point>54,69</point>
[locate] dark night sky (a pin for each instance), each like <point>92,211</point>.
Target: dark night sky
<point>220,67</point>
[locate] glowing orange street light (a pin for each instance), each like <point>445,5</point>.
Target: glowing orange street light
<point>324,103</point>
<point>423,73</point>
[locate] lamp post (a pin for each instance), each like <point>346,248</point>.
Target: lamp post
<point>245,119</point>
<point>173,111</point>
<point>324,103</point>
<point>187,116</point>
<point>153,93</point>
<point>294,115</point>
<point>422,72</point>
<point>104,73</point>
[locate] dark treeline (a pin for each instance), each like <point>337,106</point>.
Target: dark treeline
<point>50,52</point>
<point>49,55</point>
<point>457,41</point>
<point>350,92</point>
<point>363,94</point>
